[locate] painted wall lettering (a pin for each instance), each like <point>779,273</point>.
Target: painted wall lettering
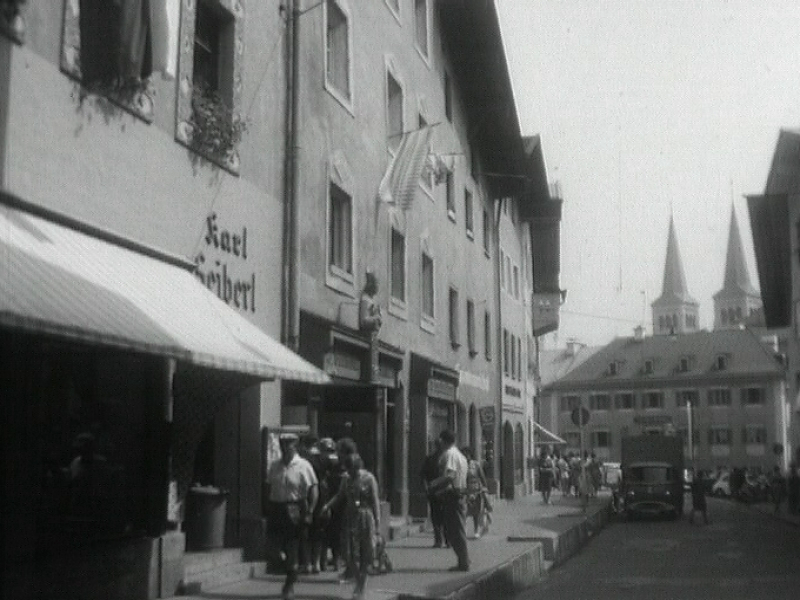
<point>216,275</point>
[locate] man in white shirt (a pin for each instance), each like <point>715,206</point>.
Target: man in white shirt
<point>292,493</point>
<point>451,488</point>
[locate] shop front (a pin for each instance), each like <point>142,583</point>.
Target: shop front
<point>114,358</point>
<point>363,401</point>
<point>432,397</point>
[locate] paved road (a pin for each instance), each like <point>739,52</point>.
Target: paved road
<point>741,554</point>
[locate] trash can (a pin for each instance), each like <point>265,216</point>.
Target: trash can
<point>204,521</point>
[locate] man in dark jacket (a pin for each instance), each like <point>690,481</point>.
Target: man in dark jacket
<point>698,497</point>
<point>429,472</point>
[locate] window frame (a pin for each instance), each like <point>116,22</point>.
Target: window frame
<point>719,397</point>
<point>339,175</point>
<point>398,306</point>
<point>469,213</point>
<point>618,404</point>
<point>487,232</point>
<point>450,195</point>
<point>471,346</point>
<point>488,335</point>
<point>393,138</point>
<point>595,404</point>
<point>454,321</point>
<point>185,73</point>
<point>343,97</point>
<point>647,395</point>
<point>427,320</point>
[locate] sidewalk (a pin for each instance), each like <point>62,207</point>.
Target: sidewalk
<point>525,539</point>
<point>769,509</point>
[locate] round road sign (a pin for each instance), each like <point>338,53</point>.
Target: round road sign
<point>580,416</point>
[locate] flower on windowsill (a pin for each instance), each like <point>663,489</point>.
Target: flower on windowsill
<point>215,130</point>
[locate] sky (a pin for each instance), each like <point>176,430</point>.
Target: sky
<point>648,108</point>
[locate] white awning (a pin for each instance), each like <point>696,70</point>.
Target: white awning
<point>549,436</point>
<point>57,280</point>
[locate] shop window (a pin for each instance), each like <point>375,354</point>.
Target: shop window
<point>398,266</point>
<point>337,50</point>
<point>209,119</point>
<point>340,232</point>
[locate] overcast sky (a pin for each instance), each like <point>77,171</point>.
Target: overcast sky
<point>647,107</point>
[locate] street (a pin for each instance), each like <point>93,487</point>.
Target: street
<point>742,553</point>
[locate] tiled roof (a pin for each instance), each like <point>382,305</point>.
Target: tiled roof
<point>744,352</point>
<point>555,364</point>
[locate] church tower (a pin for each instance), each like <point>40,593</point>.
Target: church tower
<point>675,311</point>
<point>737,299</point>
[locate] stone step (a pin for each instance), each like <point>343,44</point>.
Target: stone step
<point>224,575</point>
<point>199,562</point>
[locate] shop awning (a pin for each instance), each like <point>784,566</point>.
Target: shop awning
<point>545,436</point>
<point>80,285</point>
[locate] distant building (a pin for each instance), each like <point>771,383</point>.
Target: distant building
<point>723,390</point>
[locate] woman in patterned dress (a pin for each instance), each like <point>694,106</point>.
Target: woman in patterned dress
<point>359,492</point>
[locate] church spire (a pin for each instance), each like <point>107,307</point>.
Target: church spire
<point>737,277</point>
<point>675,311</point>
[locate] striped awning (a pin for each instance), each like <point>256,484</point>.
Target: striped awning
<point>545,436</point>
<point>58,280</point>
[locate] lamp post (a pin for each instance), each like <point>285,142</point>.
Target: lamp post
<point>690,432</point>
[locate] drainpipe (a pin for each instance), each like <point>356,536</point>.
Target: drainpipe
<point>498,409</point>
<point>290,321</point>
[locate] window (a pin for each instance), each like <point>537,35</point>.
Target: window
<point>719,397</point>
<point>754,434</point>
<point>753,396</point>
<point>506,354</point>
<point>719,436</point>
<point>208,111</point>
<point>502,270</point>
<point>612,368</point>
<point>427,286</point>
<point>653,400</point>
<point>468,214</point>
<point>720,362</point>
<point>519,358</point>
<point>599,402</point>
<point>398,266</point>
<point>340,231</point>
<point>421,26</point>
<point>601,439</point>
<point>448,97</point>
<point>516,282</point>
<point>394,111</point>
<point>109,51</point>
<point>683,397</point>
<point>471,328</point>
<point>453,304</point>
<point>647,369</point>
<point>624,401</point>
<point>450,191</point>
<point>513,367</point>
<point>487,233</point>
<point>683,364</point>
<point>509,278</point>
<point>337,50</point>
<point>570,402</point>
<point>487,335</point>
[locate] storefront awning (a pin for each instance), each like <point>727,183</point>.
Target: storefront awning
<point>70,283</point>
<point>546,436</point>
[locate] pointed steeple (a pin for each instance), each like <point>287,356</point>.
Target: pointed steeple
<point>737,277</point>
<point>738,299</point>
<point>675,311</point>
<point>674,287</point>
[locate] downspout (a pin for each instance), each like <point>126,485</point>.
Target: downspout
<point>290,318</point>
<point>498,431</point>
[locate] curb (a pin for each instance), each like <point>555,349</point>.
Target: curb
<point>527,568</point>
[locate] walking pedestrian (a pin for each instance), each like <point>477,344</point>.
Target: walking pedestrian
<point>359,494</point>
<point>476,490</point>
<point>429,473</point>
<point>563,470</point>
<point>698,497</point>
<point>777,488</point>
<point>292,493</point>
<point>451,487</point>
<point>546,474</point>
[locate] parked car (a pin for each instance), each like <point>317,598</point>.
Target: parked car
<point>722,486</point>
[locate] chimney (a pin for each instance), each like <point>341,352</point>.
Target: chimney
<point>638,333</point>
<point>572,347</point>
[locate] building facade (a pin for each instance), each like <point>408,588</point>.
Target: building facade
<point>141,162</point>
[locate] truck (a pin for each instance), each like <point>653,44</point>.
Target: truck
<point>652,475</point>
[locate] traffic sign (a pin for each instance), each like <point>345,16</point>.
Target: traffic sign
<point>580,416</point>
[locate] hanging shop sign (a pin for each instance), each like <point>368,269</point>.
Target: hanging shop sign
<point>486,414</point>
